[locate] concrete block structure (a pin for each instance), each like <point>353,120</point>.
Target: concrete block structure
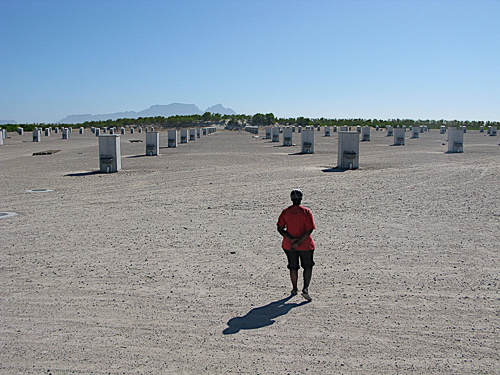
<point>47,132</point>
<point>172,138</point>
<point>399,137</point>
<point>184,136</point>
<point>198,132</point>
<point>389,131</point>
<point>37,135</point>
<point>20,131</point>
<point>275,134</point>
<point>307,140</point>
<point>327,131</point>
<point>122,131</point>
<point>268,132</point>
<point>192,134</point>
<point>365,134</point>
<point>109,153</point>
<point>81,130</point>
<point>335,129</point>
<point>455,140</point>
<point>348,150</point>
<point>299,129</point>
<point>131,130</point>
<point>152,143</point>
<point>97,132</point>
<point>442,129</point>
<point>287,136</point>
<point>493,131</point>
<point>65,133</point>
<point>415,132</point>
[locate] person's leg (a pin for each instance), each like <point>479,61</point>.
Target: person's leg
<point>307,262</point>
<point>307,278</point>
<point>294,276</point>
<point>293,266</point>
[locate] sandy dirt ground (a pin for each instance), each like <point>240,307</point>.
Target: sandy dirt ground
<point>173,265</point>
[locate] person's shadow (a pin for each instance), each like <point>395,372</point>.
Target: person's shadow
<point>261,316</point>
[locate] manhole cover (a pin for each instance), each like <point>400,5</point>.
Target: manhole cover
<point>38,191</point>
<point>4,215</point>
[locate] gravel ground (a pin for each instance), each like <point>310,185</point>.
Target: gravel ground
<point>173,265</point>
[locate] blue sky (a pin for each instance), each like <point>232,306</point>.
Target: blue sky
<point>419,59</point>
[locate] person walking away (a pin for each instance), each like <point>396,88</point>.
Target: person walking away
<point>295,224</point>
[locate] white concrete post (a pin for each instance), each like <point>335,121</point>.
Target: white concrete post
<point>192,134</point>
<point>365,134</point>
<point>109,153</point>
<point>20,131</point>
<point>47,132</point>
<point>37,135</point>
<point>65,133</point>
<point>81,130</point>
<point>198,133</point>
<point>335,129</point>
<point>421,129</point>
<point>131,130</point>
<point>172,138</point>
<point>348,150</point>
<point>307,140</point>
<point>442,129</point>
<point>152,143</point>
<point>344,129</point>
<point>122,130</point>
<point>56,130</point>
<point>493,131</point>
<point>299,129</point>
<point>399,136</point>
<point>268,132</point>
<point>481,129</point>
<point>112,131</point>
<point>184,136</point>
<point>275,132</point>
<point>97,132</point>
<point>455,140</point>
<point>327,131</point>
<point>415,132</point>
<point>358,128</point>
<point>287,136</point>
<point>389,131</point>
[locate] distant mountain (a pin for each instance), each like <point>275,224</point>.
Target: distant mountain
<point>218,108</point>
<point>7,122</point>
<point>174,109</point>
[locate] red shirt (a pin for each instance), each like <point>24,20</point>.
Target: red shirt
<point>297,220</point>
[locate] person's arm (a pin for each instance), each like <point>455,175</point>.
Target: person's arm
<point>284,233</point>
<point>301,239</point>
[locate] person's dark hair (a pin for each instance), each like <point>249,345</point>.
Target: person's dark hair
<point>296,196</point>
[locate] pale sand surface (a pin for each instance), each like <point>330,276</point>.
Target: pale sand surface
<point>174,266</point>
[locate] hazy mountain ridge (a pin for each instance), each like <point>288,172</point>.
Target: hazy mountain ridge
<point>7,122</point>
<point>174,109</point>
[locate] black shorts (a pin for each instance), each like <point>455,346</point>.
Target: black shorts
<point>306,258</point>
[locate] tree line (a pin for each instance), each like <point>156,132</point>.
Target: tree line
<point>259,119</point>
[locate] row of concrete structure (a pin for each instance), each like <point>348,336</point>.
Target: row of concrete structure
<point>110,152</point>
<point>348,141</point>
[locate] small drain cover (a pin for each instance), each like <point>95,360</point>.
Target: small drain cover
<point>4,215</point>
<point>38,191</point>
